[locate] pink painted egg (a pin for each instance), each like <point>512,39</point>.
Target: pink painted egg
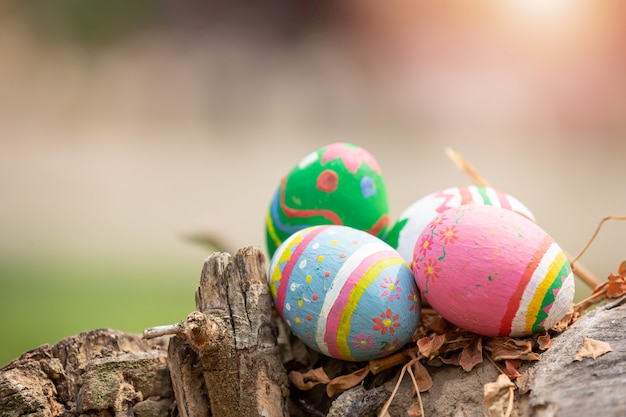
<point>492,271</point>
<point>344,292</point>
<point>414,219</point>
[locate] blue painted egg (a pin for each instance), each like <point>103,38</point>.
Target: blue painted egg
<point>344,292</point>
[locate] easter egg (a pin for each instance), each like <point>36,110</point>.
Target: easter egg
<point>344,292</point>
<point>493,272</point>
<point>412,221</point>
<point>337,184</point>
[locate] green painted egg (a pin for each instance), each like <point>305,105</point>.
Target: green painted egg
<point>339,184</point>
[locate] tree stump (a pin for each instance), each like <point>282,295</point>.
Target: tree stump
<point>234,335</point>
<point>97,373</point>
<point>555,386</point>
<point>563,386</point>
<point>224,361</point>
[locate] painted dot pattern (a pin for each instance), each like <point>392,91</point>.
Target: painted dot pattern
<point>353,299</point>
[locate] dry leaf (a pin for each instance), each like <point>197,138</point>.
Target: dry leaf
<point>306,381</point>
<point>432,321</point>
<point>452,359</point>
<point>345,382</point>
<point>429,346</point>
<point>424,381</point>
<point>544,341</point>
<point>511,367</point>
<point>498,395</point>
<point>614,287</point>
<point>592,349</point>
<point>508,348</point>
<point>472,354</point>
<point>414,410</point>
<point>457,340</point>
<point>617,286</point>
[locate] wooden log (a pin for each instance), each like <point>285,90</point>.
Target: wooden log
<point>101,373</point>
<point>225,362</point>
<point>187,379</point>
<point>234,334</point>
<point>555,386</point>
<point>563,386</point>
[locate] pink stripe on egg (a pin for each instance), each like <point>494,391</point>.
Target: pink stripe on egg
<point>504,200</point>
<point>341,302</point>
<point>293,260</point>
<point>466,195</point>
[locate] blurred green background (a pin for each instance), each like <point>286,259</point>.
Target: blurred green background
<point>126,126</point>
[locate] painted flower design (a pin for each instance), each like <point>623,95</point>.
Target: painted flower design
<point>414,297</point>
<point>449,235</point>
<point>363,342</point>
<point>390,346</point>
<point>437,221</point>
<point>391,288</point>
<point>431,269</point>
<point>425,245</point>
<point>387,322</point>
<point>415,264</point>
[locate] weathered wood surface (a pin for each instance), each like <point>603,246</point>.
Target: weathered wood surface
<point>554,386</point>
<point>562,386</point>
<point>235,336</point>
<point>187,380</point>
<point>225,361</point>
<point>98,373</point>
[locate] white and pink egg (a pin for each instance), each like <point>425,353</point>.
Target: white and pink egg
<point>414,218</point>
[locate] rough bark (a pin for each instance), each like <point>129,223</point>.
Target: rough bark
<point>554,386</point>
<point>562,386</point>
<point>234,334</point>
<point>97,373</point>
<point>224,361</point>
<point>187,380</point>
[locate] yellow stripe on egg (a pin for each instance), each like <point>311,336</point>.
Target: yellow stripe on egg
<point>519,325</point>
<point>355,295</point>
<point>541,290</point>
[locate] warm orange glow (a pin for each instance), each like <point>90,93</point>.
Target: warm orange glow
<point>554,26</point>
<point>544,10</point>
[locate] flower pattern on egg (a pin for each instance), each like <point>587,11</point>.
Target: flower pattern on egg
<point>386,322</point>
<point>391,288</point>
<point>505,247</point>
<point>425,244</point>
<point>368,187</point>
<point>387,307</point>
<point>448,236</point>
<point>363,342</point>
<point>432,269</point>
<point>414,296</point>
